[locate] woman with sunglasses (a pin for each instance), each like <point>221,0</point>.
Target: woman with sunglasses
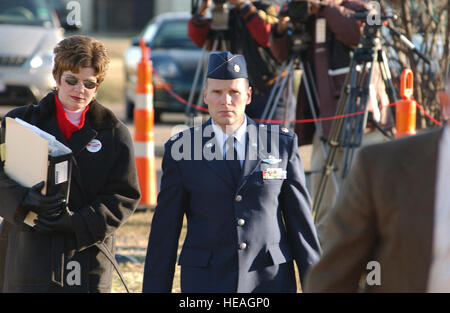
<point>71,246</point>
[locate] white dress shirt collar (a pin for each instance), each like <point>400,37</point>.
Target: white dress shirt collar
<point>239,134</point>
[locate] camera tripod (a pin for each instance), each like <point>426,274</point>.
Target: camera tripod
<point>348,132</point>
<point>216,41</point>
<point>300,41</point>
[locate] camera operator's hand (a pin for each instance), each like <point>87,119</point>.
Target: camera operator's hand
<point>49,206</point>
<point>62,224</point>
<point>283,19</point>
<point>282,25</point>
<point>315,6</point>
<point>204,7</point>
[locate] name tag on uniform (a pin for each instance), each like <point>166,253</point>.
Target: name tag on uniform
<point>274,173</point>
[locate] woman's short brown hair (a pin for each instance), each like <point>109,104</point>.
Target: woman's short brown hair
<point>76,52</point>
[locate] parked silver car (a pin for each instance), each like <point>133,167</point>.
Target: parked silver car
<point>29,30</point>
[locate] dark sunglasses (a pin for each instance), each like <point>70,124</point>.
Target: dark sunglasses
<point>72,81</point>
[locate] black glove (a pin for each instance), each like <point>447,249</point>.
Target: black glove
<point>61,224</point>
<point>49,206</point>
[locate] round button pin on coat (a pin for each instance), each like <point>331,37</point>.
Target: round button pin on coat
<point>94,146</point>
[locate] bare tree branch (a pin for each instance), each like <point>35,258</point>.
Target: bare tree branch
<point>427,24</point>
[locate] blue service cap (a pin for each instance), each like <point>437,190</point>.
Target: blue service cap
<point>225,65</point>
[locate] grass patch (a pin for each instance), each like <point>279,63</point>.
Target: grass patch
<point>131,240</point>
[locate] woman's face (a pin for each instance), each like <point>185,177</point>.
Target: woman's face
<point>72,90</point>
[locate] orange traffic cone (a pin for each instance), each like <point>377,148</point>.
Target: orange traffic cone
<point>144,135</point>
<point>405,120</point>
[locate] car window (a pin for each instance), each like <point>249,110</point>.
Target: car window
<point>25,12</point>
<point>149,32</point>
<point>173,34</point>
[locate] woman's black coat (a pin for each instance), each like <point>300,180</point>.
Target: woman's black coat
<point>104,193</point>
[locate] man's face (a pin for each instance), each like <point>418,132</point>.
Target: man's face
<point>226,100</point>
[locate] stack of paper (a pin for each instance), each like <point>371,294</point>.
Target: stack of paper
<point>28,155</point>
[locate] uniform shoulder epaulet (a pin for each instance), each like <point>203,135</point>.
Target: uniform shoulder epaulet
<point>282,130</point>
<point>180,134</point>
<point>286,132</point>
<point>175,137</point>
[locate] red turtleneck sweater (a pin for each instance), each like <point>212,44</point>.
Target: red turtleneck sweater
<point>66,126</point>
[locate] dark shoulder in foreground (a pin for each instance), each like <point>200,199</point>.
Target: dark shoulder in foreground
<point>405,145</point>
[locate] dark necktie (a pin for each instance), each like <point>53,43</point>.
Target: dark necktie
<point>231,158</point>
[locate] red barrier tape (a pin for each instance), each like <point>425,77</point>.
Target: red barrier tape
<point>173,94</point>
<point>311,120</point>
<point>427,115</point>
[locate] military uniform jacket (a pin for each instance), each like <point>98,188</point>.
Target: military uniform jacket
<point>104,192</point>
<point>240,238</point>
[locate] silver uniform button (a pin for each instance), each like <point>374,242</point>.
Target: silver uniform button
<point>238,198</point>
<point>243,246</point>
<point>241,222</point>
